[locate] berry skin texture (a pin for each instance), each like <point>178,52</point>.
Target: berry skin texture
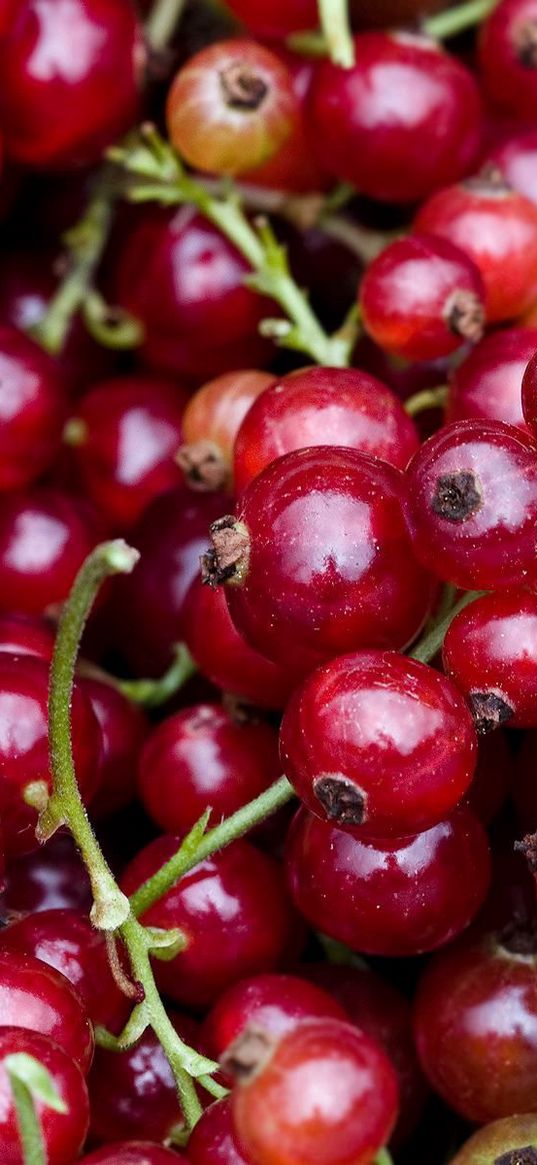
<point>402,122</point>
<point>378,741</point>
<point>275,18</point>
<point>503,1142</point>
<point>325,1092</point>
<point>251,921</point>
<point>508,56</point>
<point>211,422</point>
<point>323,562</point>
<point>201,757</point>
<point>36,996</point>
<point>422,298</point>
<point>63,1133</point>
<point>472,505</point>
<point>213,1140</point>
<point>58,114</point>
<point>51,878</point>
<point>134,1153</point>
<point>487,383</point>
<point>124,728</point>
<point>490,653</point>
<point>497,228</point>
<point>32,410</point>
<point>231,107</point>
<point>394,897</point>
<point>529,394</point>
<point>475,1023</point>
<point>323,406</point>
<point>516,159</point>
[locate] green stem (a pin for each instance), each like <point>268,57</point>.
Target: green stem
<point>335,24</point>
<point>229,830</point>
<point>28,1123</point>
<point>455,20</point>
<point>383,1157</point>
<point>163,22</point>
<point>153,693</point>
<point>428,398</point>
<point>431,643</point>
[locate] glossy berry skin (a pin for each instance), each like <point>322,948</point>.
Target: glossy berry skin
<point>211,421</point>
<point>36,996</point>
<point>490,652</point>
<point>378,741</point>
<point>51,878</point>
<point>124,728</point>
<point>250,922</point>
<point>529,394</point>
<point>200,277</point>
<point>231,107</point>
<point>26,635</point>
<point>44,538</point>
<point>275,18</point>
<point>124,438</point>
<point>402,122</point>
<point>225,658</point>
<point>63,1133</point>
<point>72,73</point>
<point>487,384</point>
<point>286,1113</point>
<point>273,1004</point>
<point>508,56</point>
<point>32,410</point>
<point>134,1153</point>
<point>476,1028</point>
<point>472,505</point>
<point>516,159</point>
<point>201,758</point>
<point>67,941</point>
<point>327,565</point>
<point>323,406</point>
<point>497,227</point>
<point>133,1093</point>
<point>213,1140</point>
<point>422,298</point>
<point>503,1140</point>
<point>24,752</point>
<point>492,778</point>
<point>394,897</point>
<point>171,536</point>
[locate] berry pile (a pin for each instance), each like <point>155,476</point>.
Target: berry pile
<point>268,797</point>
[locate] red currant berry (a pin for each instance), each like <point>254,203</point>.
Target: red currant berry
<point>56,114</point>
<point>251,922</point>
<point>476,1025</point>
<point>63,1133</point>
<point>32,410</point>
<point>325,1091</point>
<point>492,778</point>
<point>124,439</point>
<point>24,752</point>
<point>201,758</point>
<point>472,504</point>
<point>395,897</point>
<point>213,1140</point>
<point>379,741</point>
<point>124,729</point>
<point>487,384</point>
<point>503,1142</point>
<point>134,1153</point>
<point>318,560</point>
<point>402,122</point>
<point>323,406</point>
<point>51,878</point>
<point>275,18</point>
<point>497,227</point>
<point>211,422</point>
<point>516,159</point>
<point>231,107</point>
<point>422,298</point>
<point>66,940</point>
<point>36,996</point>
<point>200,277</point>
<point>508,55</point>
<point>26,635</point>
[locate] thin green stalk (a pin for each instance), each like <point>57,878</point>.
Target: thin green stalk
<point>163,22</point>
<point>335,24</point>
<point>455,20</point>
<point>153,693</point>
<point>215,839</point>
<point>28,1123</point>
<point>384,1157</point>
<point>428,398</point>
<point>431,643</point>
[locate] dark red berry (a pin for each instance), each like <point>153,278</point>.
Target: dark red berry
<point>134,1153</point>
<point>63,1133</point>
<point>529,393</point>
<point>508,55</point>
<point>516,159</point>
<point>51,878</point>
<point>276,18</point>
<point>32,410</point>
<point>26,635</point>
<point>487,383</point>
<point>36,996</point>
<point>124,728</point>
<point>213,1140</point>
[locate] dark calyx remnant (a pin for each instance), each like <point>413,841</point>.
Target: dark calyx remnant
<point>248,1054</point>
<point>242,89</point>
<point>228,559</point>
<point>341,800</point>
<point>465,315</point>
<point>457,496</point>
<point>519,937</point>
<point>526,1155</point>
<point>489,711</point>
<point>526,44</point>
<point>528,848</point>
<point>203,465</point>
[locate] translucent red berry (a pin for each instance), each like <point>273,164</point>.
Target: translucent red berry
<point>63,1133</point>
<point>487,383</point>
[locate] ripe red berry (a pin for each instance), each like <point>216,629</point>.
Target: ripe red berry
<point>51,878</point>
<point>323,406</point>
<point>497,227</point>
<point>516,159</point>
<point>32,410</point>
<point>124,728</point>
<point>402,122</point>
<point>487,384</point>
<point>211,422</point>
<point>26,635</point>
<point>36,996</point>
<point>276,18</point>
<point>502,1142</point>
<point>63,1133</point>
<point>394,897</point>
<point>492,778</point>
<point>134,1153</point>
<point>213,1140</point>
<point>231,107</point>
<point>379,741</point>
<point>324,1091</point>
<point>472,505</point>
<point>422,298</point>
<point>508,55</point>
<point>57,115</point>
<point>318,561</point>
